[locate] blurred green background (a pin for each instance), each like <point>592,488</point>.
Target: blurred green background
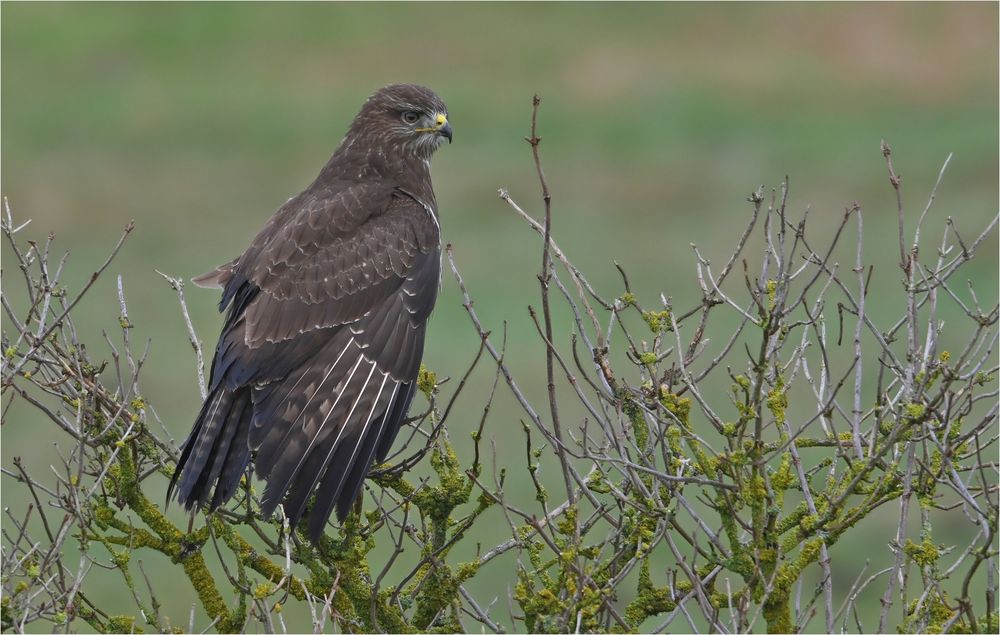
<point>199,120</point>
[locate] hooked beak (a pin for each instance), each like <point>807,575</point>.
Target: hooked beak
<point>441,126</point>
<point>445,131</point>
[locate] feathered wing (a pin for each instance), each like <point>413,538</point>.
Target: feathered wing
<point>317,360</point>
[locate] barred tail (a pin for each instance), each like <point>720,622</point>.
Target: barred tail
<point>217,451</point>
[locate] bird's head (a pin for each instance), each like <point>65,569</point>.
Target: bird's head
<point>404,118</point>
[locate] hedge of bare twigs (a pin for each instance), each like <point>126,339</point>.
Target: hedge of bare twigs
<point>673,505</point>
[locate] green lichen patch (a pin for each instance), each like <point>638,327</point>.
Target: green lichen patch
<point>122,624</point>
<point>426,381</point>
<point>657,321</point>
<point>772,293</point>
<point>931,615</point>
<point>777,400</point>
<point>679,407</point>
<point>924,554</point>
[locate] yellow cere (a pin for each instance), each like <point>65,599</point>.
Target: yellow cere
<point>439,120</point>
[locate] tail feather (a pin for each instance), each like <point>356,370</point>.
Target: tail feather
<point>210,449</point>
<point>227,446</point>
<point>219,449</point>
<point>236,462</point>
<point>197,447</point>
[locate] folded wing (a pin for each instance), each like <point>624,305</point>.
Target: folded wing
<point>319,354</point>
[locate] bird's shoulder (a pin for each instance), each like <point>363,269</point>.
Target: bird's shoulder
<point>330,258</point>
<point>337,220</point>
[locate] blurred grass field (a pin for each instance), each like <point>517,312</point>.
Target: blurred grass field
<point>198,120</point>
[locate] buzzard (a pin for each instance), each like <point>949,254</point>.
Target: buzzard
<point>327,308</point>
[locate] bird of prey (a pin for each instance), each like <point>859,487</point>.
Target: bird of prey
<point>318,357</point>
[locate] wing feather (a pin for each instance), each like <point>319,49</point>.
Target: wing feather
<point>307,421</point>
<point>334,461</point>
<point>317,361</point>
<point>310,465</point>
<point>349,464</point>
<point>394,421</point>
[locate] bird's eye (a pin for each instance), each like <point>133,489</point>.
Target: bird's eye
<point>411,117</point>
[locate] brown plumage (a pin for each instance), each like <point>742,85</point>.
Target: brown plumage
<point>316,364</point>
